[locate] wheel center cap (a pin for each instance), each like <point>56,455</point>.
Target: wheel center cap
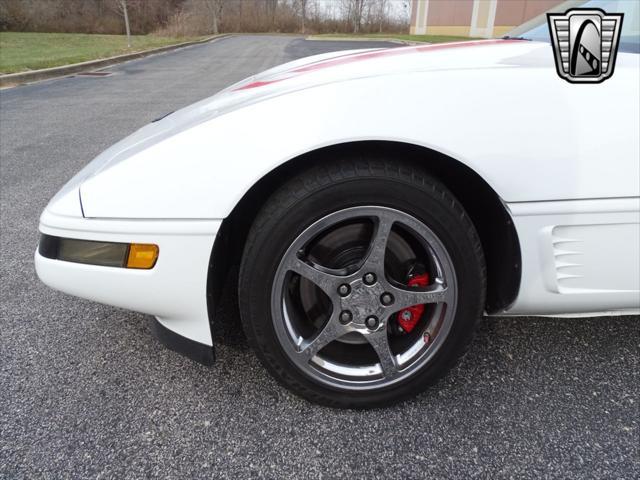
<point>363,301</point>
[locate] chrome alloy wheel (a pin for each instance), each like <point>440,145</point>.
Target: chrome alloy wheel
<point>339,288</point>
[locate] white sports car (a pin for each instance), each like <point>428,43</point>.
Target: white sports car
<point>377,203</point>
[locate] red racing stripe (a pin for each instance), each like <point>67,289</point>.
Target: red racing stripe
<point>358,57</point>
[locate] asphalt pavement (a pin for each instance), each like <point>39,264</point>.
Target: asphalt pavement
<point>87,392</point>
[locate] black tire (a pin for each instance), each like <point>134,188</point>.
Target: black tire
<point>333,186</point>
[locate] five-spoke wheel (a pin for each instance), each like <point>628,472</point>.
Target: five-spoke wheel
<point>361,282</point>
<point>357,297</point>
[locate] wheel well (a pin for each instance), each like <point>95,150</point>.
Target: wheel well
<point>486,210</point>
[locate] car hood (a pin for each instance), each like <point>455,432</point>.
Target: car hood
<point>309,72</point>
<point>352,65</point>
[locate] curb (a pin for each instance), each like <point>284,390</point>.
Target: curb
<point>318,38</point>
<point>15,79</point>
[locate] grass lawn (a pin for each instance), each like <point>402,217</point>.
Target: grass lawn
<point>30,51</point>
<point>410,38</point>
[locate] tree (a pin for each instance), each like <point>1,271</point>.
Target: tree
<point>303,13</point>
<point>271,7</point>
<point>121,9</point>
<point>215,9</point>
<point>382,13</point>
<point>354,12</point>
<point>203,17</point>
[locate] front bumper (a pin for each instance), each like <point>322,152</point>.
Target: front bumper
<point>174,290</point>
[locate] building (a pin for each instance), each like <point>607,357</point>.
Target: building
<point>473,18</point>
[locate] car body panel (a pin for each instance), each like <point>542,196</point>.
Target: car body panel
<point>530,135</point>
<point>578,256</point>
<point>174,290</point>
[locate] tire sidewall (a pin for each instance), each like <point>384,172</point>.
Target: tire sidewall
<point>290,215</point>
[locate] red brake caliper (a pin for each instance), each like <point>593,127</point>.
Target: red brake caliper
<point>409,317</point>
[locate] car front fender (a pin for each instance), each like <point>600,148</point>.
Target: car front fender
<point>492,120</point>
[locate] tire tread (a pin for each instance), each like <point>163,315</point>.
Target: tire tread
<point>323,176</point>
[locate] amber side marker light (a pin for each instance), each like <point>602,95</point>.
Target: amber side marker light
<point>142,255</point>
<point>106,254</point>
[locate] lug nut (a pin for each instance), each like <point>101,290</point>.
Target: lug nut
<point>369,278</point>
<point>345,317</point>
<point>386,298</point>
<point>371,322</point>
<point>344,290</point>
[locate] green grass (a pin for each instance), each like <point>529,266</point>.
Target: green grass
<point>410,38</point>
<point>31,51</point>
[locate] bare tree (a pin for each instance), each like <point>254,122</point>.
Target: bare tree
<point>215,9</point>
<point>271,7</point>
<point>121,9</point>
<point>382,13</point>
<point>202,17</point>
<point>358,11</point>
<point>353,11</point>
<point>303,13</point>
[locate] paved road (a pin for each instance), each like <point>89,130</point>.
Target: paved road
<point>86,391</point>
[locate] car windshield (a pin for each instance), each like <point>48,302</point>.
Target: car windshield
<point>537,30</point>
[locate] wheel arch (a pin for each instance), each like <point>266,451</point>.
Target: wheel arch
<point>485,208</point>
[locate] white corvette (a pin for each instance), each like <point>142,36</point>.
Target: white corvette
<point>376,202</point>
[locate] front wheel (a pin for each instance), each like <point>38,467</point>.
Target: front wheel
<point>361,284</point>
